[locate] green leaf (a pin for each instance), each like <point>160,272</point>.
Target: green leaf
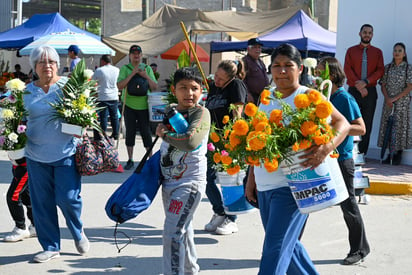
<point>183,60</point>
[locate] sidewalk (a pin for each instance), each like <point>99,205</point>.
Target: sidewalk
<point>388,220</point>
<point>388,179</point>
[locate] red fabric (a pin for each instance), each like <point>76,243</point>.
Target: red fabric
<point>353,64</point>
<point>174,52</point>
<point>20,186</point>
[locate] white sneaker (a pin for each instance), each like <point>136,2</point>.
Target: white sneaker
<point>214,223</point>
<point>32,231</point>
<point>227,227</point>
<point>46,256</point>
<point>82,245</point>
<point>17,235</point>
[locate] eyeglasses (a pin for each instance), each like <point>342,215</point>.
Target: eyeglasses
<point>47,62</point>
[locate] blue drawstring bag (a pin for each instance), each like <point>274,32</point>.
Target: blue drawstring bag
<point>136,193</point>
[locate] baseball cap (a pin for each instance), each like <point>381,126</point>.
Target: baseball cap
<point>254,41</point>
<point>135,48</point>
<point>74,48</point>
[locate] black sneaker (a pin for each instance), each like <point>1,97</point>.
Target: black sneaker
<point>353,258</point>
<point>129,165</point>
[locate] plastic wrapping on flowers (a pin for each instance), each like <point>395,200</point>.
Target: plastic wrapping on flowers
<point>12,127</point>
<point>78,105</point>
<point>268,139</point>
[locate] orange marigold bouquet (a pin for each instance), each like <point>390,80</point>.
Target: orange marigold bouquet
<point>268,139</point>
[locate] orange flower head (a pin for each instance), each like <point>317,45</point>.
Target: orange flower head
<point>233,170</point>
<point>226,160</point>
<point>214,137</point>
<point>251,109</point>
<point>324,109</point>
<point>259,117</point>
<point>271,166</point>
<point>264,127</point>
<point>234,140</point>
<point>264,97</point>
<point>227,132</point>
<point>315,97</point>
<point>216,157</point>
<point>302,101</point>
<point>321,139</point>
<point>276,116</point>
<point>308,128</point>
<point>225,119</point>
<point>304,144</point>
<point>295,147</point>
<point>334,155</point>
<point>253,160</point>
<point>241,128</point>
<point>256,140</point>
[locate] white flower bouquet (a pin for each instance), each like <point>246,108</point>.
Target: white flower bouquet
<point>77,105</point>
<point>12,127</point>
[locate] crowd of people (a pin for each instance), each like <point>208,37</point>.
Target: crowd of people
<point>187,174</point>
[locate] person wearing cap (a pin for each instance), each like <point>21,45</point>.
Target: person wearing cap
<point>256,78</point>
<point>136,109</point>
<point>73,52</point>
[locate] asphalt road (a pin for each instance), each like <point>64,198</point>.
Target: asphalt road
<point>388,221</point>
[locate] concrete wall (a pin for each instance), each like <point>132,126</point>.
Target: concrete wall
<point>5,15</point>
<point>392,23</point>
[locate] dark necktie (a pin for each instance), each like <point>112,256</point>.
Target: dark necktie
<point>364,72</point>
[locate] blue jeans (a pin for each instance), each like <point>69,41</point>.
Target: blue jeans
<point>109,109</point>
<point>55,184</point>
<point>213,193</point>
<point>282,252</point>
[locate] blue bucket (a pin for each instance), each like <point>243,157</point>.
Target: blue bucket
<point>233,193</point>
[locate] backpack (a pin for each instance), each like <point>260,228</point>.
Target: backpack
<point>138,86</point>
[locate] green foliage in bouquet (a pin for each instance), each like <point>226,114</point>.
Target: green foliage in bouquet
<point>78,105</point>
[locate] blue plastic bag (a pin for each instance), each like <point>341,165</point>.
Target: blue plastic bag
<point>136,193</point>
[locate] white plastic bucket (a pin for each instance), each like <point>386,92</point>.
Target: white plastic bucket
<point>315,189</point>
<point>156,106</point>
<point>233,193</point>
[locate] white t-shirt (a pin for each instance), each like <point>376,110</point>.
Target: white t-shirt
<point>267,181</point>
<point>106,77</point>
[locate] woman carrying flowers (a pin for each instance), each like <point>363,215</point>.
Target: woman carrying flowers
<point>53,178</point>
<point>227,88</point>
<point>282,251</point>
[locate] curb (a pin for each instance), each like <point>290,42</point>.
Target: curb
<point>389,188</point>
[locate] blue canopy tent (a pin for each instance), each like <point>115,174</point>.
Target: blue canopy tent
<point>37,26</point>
<point>299,30</point>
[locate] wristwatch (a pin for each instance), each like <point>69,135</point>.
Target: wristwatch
<point>366,81</point>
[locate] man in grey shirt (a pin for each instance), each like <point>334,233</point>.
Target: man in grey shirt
<point>108,95</point>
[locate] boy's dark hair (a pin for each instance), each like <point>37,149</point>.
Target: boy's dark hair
<point>187,73</point>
